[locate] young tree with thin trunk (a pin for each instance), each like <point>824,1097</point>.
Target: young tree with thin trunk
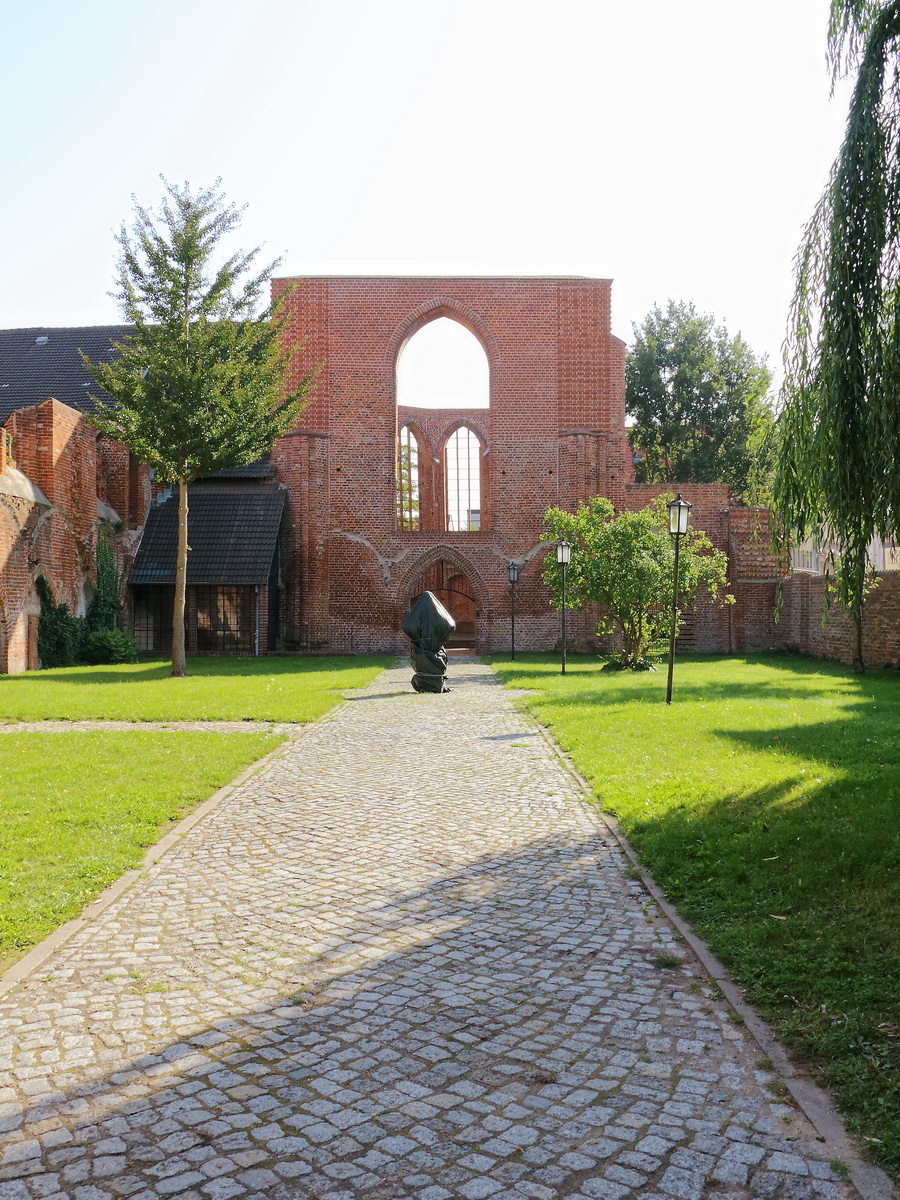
<point>838,476</point>
<point>625,564</point>
<point>200,383</point>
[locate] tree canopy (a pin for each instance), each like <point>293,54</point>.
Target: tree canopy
<point>200,383</point>
<point>626,563</point>
<point>838,476</point>
<point>698,397</point>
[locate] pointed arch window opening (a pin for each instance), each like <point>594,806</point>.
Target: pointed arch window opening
<point>441,474</point>
<point>462,469</point>
<point>409,514</point>
<point>443,365</point>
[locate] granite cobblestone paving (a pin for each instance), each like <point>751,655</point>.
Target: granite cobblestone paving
<point>403,962</point>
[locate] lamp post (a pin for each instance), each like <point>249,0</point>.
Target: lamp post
<point>679,511</point>
<point>563,556</point>
<point>512,574</point>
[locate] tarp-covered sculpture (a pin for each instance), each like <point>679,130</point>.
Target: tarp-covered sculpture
<point>428,626</point>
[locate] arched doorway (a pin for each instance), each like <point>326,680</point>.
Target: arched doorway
<point>455,592</point>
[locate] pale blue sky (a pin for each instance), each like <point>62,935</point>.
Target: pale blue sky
<point>677,148</point>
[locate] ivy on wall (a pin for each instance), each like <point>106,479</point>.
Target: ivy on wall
<point>96,638</point>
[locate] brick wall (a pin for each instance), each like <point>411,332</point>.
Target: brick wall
<point>123,482</point>
<point>56,448</point>
<point>554,435</point>
<point>801,626</point>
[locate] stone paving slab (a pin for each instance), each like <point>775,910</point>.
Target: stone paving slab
<point>403,961</point>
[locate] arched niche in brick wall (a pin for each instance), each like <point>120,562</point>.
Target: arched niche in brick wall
<point>451,584</point>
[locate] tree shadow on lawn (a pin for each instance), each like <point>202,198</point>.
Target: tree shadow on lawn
<point>806,673</point>
<point>497,1004</point>
<point>793,874</point>
<point>198,668</point>
<point>796,884</point>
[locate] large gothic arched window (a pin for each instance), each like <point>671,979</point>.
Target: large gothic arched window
<point>443,365</point>
<point>443,390</point>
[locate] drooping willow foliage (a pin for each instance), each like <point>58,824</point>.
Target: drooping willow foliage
<point>838,476</point>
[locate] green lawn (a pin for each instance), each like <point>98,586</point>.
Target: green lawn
<point>216,689</point>
<point>765,802</point>
<point>77,809</point>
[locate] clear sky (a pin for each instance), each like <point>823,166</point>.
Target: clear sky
<point>675,147</point>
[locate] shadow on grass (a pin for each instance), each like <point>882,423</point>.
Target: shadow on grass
<point>796,885</point>
<point>211,667</point>
<point>386,1035</point>
<point>766,802</point>
<point>697,676</point>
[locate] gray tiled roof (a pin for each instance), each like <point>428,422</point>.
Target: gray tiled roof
<point>232,532</point>
<point>264,468</point>
<point>33,369</point>
<point>38,363</point>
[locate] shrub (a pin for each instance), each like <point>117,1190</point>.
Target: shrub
<point>106,646</point>
<point>59,633</point>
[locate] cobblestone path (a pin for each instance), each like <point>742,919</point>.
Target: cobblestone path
<point>403,962</point>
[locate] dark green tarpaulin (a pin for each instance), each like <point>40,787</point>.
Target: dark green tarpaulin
<point>428,626</point>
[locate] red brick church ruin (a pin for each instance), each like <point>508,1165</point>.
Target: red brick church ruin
<point>554,433</point>
<point>323,546</point>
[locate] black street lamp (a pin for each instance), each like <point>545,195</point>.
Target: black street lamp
<point>512,574</point>
<point>563,557</point>
<point>679,511</point>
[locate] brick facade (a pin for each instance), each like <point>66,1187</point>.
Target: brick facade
<point>52,479</point>
<point>553,435</point>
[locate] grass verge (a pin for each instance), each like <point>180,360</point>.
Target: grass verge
<point>216,689</point>
<point>78,809</point>
<point>765,801</point>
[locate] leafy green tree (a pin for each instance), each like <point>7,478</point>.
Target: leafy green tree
<point>838,476</point>
<point>625,564</point>
<point>200,383</point>
<point>699,402</point>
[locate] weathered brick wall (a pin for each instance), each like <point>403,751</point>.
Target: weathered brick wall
<point>123,482</point>
<point>709,500</point>
<point>554,434</point>
<point>112,475</point>
<point>56,449</point>
<point>801,626</point>
<point>754,574</point>
<point>35,539</point>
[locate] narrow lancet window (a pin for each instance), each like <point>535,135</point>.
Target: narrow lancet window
<point>408,515</point>
<point>463,475</point>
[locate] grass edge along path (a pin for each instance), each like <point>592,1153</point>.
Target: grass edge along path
<point>79,809</point>
<point>765,803</point>
<point>269,688</point>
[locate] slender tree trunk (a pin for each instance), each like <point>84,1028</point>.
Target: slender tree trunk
<point>859,665</point>
<point>179,666</point>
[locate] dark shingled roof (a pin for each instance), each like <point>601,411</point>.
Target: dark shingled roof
<point>232,533</point>
<point>33,369</point>
<point>264,468</point>
<point>36,364</point>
